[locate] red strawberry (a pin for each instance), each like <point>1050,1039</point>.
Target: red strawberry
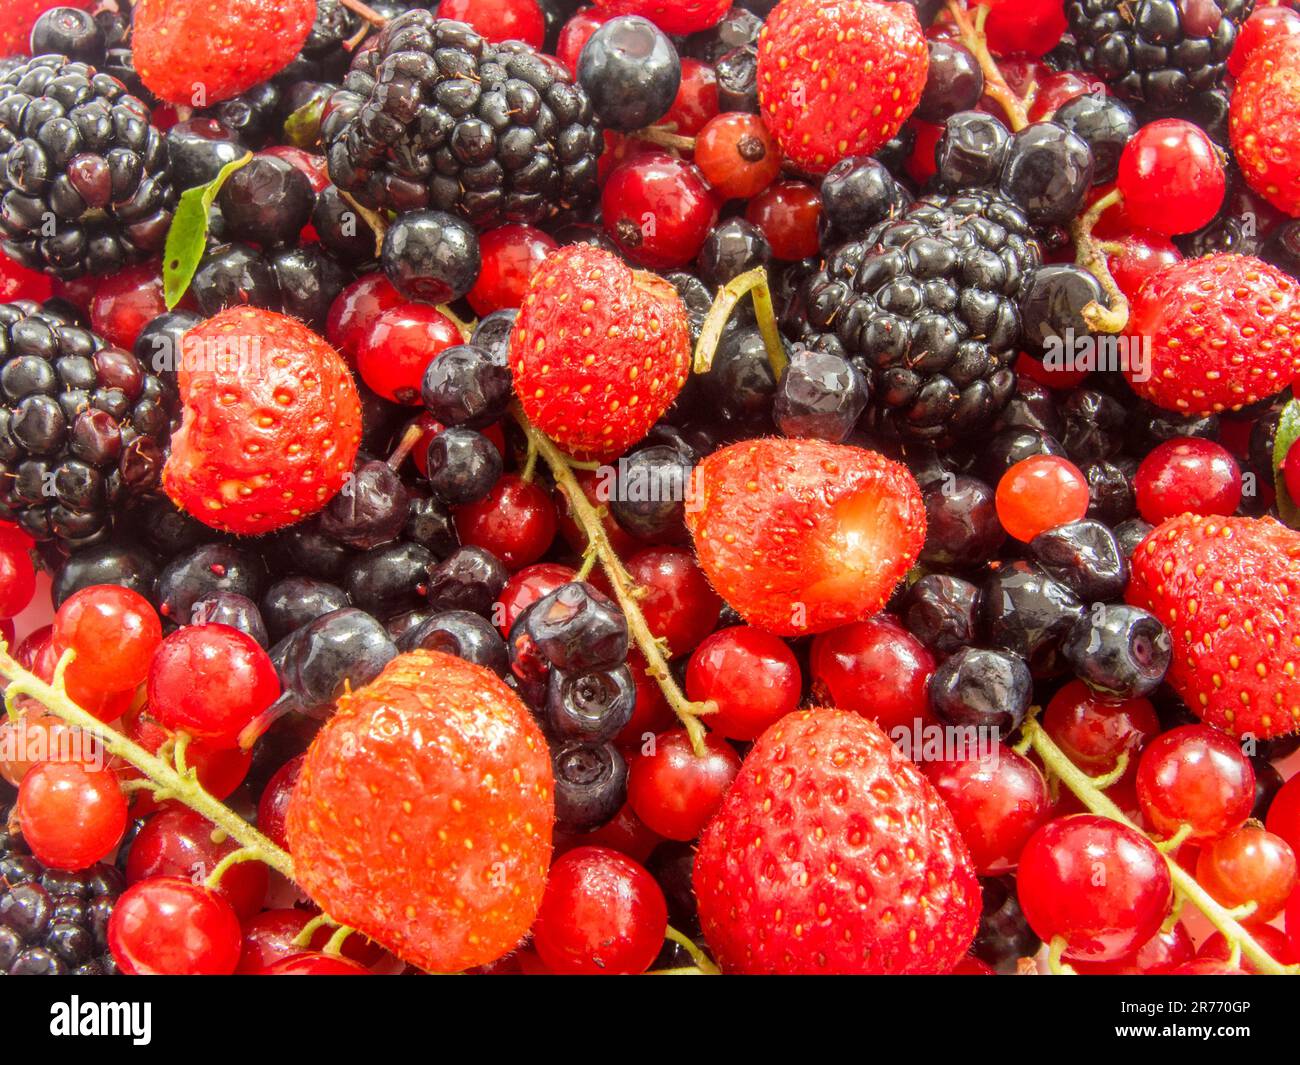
<point>800,535</point>
<point>1214,334</point>
<point>1265,123</point>
<point>671,16</point>
<point>19,16</point>
<point>422,816</point>
<point>1226,588</point>
<point>833,854</point>
<point>598,352</point>
<point>196,53</point>
<point>271,427</point>
<point>841,78</point>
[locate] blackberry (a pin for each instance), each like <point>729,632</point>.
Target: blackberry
<point>1160,54</point>
<point>433,116</point>
<point>86,186</point>
<point>930,301</point>
<point>83,426</point>
<point>53,923</point>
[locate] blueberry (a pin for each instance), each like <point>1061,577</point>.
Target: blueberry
<point>982,688</point>
<point>466,386</point>
<point>1026,611</point>
<point>672,864</point>
<point>291,603</point>
<point>970,150</point>
<point>649,496</point>
<point>309,279</point>
<point>955,82</point>
<point>71,32</point>
<point>738,79</point>
<point>310,551</point>
<point>203,571</point>
<point>631,72</point>
<point>1004,935</point>
<point>1119,651</point>
<point>741,380</point>
<point>1102,122</point>
<point>1130,533</point>
<point>429,524</point>
<point>1011,446</point>
<point>1048,170</point>
<point>492,334</point>
<point>1094,425</point>
<point>369,510</point>
<point>731,248</point>
<point>590,784</point>
<point>340,229</point>
<point>941,611</point>
<point>234,275</point>
<point>387,580</point>
<point>470,578</point>
<point>577,627</point>
<point>127,567</point>
<point>1112,497</point>
<point>197,150</point>
<point>593,706</point>
<point>463,465</point>
<point>857,192</point>
<point>267,201</point>
<point>233,609</point>
<point>343,649</point>
<point>962,527</point>
<point>431,256</point>
<point>821,395</point>
<point>460,633</point>
<point>1051,311</point>
<point>1085,556</point>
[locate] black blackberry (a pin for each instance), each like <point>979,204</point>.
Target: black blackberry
<point>929,300</point>
<point>53,923</point>
<point>435,117</point>
<point>1165,55</point>
<point>83,426</point>
<point>85,186</point>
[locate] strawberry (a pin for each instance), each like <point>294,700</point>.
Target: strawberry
<point>423,813</point>
<point>598,352</point>
<point>196,54</point>
<point>1226,590</point>
<point>19,16</point>
<point>271,427</point>
<point>1264,122</point>
<point>839,79</point>
<point>671,16</point>
<point>800,535</point>
<point>832,853</point>
<point>1214,334</point>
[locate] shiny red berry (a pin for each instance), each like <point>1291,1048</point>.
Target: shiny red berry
<point>170,926</point>
<point>750,675</point>
<point>674,791</point>
<point>1187,474</point>
<point>1171,177</point>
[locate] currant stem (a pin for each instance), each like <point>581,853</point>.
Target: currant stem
<point>183,787</point>
<point>335,943</point>
<point>236,857</point>
<point>405,446</point>
<point>972,36</point>
<point>1184,883</point>
<point>368,13</point>
<point>1090,254</point>
<point>752,281</point>
<point>1107,780</point>
<point>321,920</point>
<point>625,589</point>
<point>702,961</point>
<point>665,138</point>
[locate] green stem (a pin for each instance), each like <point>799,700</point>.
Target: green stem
<point>752,281</point>
<point>334,945</point>
<point>702,961</point>
<point>625,588</point>
<point>244,854</point>
<point>183,787</point>
<point>973,37</point>
<point>1184,883</point>
<point>321,920</point>
<point>1090,254</point>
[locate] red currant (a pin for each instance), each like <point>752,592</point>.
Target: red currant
<point>211,681</point>
<point>788,213</point>
<point>527,586</point>
<point>1055,92</point>
<point>737,155</point>
<point>1187,474</point>
<point>1025,27</point>
<point>126,302</point>
<point>1171,177</point>
<point>219,769</point>
<point>72,813</point>
<point>624,832</point>
<point>499,20</point>
<point>875,668</point>
<point>17,580</point>
<point>679,604</point>
<point>515,521</point>
<point>398,347</point>
<point>1094,732</point>
<point>85,692</point>
<point>355,310</point>
<point>1195,776</point>
<point>269,938</point>
<point>1159,954</point>
<point>509,255</point>
<point>170,926</point>
<point>1139,257</point>
<point>1273,940</point>
<point>576,33</point>
<point>658,210</point>
<point>309,963</point>
<point>921,164</point>
<point>274,803</point>
<point>1099,885</point>
<point>114,632</point>
<point>602,914</point>
<point>1249,865</point>
<point>1040,493</point>
<point>19,283</point>
<point>675,791</point>
<point>651,714</point>
<point>1283,817</point>
<point>752,677</point>
<point>696,101</point>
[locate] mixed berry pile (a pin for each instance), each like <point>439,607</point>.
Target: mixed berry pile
<point>655,486</point>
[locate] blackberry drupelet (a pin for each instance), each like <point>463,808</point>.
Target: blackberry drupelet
<point>53,923</point>
<point>435,117</point>
<point>929,300</point>
<point>1161,54</point>
<point>85,184</point>
<point>83,426</point>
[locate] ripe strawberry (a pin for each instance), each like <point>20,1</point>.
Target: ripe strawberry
<point>839,79</point>
<point>833,854</point>
<point>598,352</point>
<point>19,16</point>
<point>1264,122</point>
<point>423,813</point>
<point>1226,590</point>
<point>271,427</point>
<point>671,16</point>
<point>1221,332</point>
<point>197,54</point>
<point>800,535</point>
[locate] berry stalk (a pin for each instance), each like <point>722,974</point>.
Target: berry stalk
<point>751,281</point>
<point>972,36</point>
<point>1091,255</point>
<point>625,589</point>
<point>1185,885</point>
<point>183,786</point>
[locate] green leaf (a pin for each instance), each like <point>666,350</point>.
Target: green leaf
<point>189,233</point>
<point>303,126</point>
<point>1288,431</point>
